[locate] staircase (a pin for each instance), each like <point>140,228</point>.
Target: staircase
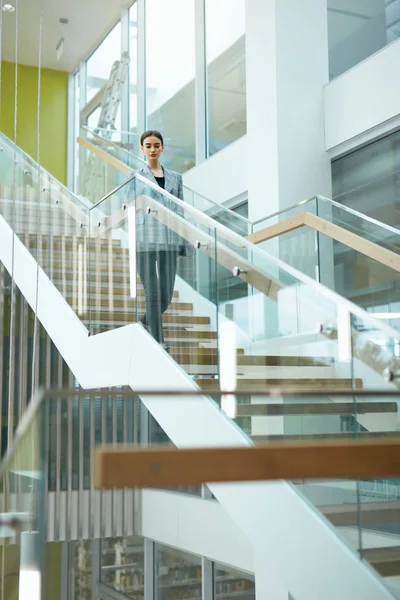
<point>93,276</point>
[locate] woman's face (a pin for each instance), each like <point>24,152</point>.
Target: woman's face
<point>152,148</point>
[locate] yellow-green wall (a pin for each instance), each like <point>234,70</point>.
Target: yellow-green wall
<point>53,114</point>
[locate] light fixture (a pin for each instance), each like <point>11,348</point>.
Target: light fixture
<point>8,8</point>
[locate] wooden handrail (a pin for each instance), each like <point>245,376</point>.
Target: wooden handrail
<point>335,232</point>
<point>114,162</point>
<point>159,466</point>
<point>305,219</point>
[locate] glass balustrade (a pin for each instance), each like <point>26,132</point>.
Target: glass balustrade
<point>128,153</point>
<point>347,251</point>
<point>50,464</point>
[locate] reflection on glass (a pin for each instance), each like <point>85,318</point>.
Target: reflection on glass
<point>178,574</point>
<point>230,583</point>
<point>367,181</point>
<point>122,565</point>
<point>226,61</point>
<point>99,64</point>
<point>81,571</point>
<point>358,30</point>
<point>170,72</point>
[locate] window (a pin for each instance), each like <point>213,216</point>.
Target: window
<point>356,32</point>
<point>230,583</point>
<point>178,574</point>
<point>100,63</point>
<point>226,70</point>
<point>170,64</point>
<point>133,114</point>
<point>122,565</point>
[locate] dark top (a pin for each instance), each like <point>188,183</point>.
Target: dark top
<point>160,181</point>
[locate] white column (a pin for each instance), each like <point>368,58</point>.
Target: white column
<point>30,576</point>
<point>287,67</point>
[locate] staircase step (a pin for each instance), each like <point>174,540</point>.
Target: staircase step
<point>386,561</point>
<point>287,384</point>
<point>317,408</point>
<point>373,513</point>
<point>122,289</point>
<point>65,241</point>
<point>169,332</point>
<point>129,304</point>
<point>123,318</point>
<point>323,436</point>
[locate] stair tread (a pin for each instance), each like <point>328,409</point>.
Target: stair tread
<point>287,383</point>
<point>323,436</point>
<point>316,408</point>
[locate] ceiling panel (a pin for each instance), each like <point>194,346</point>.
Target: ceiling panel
<point>89,21</point>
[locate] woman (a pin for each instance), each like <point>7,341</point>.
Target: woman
<point>158,246</point>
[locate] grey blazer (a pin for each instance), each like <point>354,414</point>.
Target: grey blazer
<point>150,233</point>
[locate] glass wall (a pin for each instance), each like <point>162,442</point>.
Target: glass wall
<point>178,574</point>
<point>122,565</point>
<point>368,180</point>
<point>99,65</point>
<point>171,49</point>
<point>170,77</point>
<point>230,583</point>
<point>358,29</point>
<point>226,71</point>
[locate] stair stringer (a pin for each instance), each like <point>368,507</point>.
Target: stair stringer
<point>286,531</point>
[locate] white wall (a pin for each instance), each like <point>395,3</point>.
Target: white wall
<point>223,176</point>
<point>363,98</point>
<point>195,525</point>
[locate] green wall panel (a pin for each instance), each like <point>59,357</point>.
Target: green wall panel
<point>53,114</point>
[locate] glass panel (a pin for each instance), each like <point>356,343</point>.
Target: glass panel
<point>357,33</point>
<point>81,575</point>
<point>178,574</point>
<point>99,64</point>
<point>358,277</point>
<point>126,148</point>
<point>97,176</point>
<point>230,583</point>
<point>226,71</point>
<point>50,221</point>
<point>367,174</point>
<point>170,97</point>
<point>122,565</point>
<point>22,503</point>
<point>297,247</point>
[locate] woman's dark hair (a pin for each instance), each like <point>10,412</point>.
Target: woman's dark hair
<point>151,133</point>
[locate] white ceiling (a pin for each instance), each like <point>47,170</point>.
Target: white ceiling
<point>89,20</point>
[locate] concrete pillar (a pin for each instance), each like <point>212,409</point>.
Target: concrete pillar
<point>286,69</point>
